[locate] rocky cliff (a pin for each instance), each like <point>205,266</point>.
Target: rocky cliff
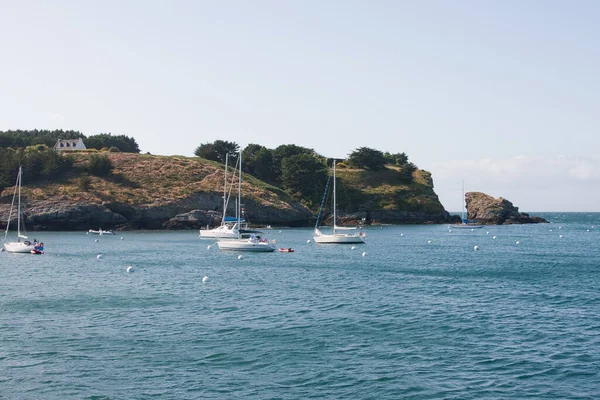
<point>485,209</point>
<point>158,192</point>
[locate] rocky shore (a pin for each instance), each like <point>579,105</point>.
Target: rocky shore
<point>72,216</point>
<point>69,216</point>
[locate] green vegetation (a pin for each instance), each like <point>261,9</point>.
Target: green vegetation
<point>24,138</point>
<point>368,179</point>
<point>365,157</point>
<point>218,151</point>
<point>100,165</point>
<point>304,176</point>
<point>38,163</point>
<point>112,143</point>
<point>302,172</point>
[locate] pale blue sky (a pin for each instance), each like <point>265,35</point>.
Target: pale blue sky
<point>504,95</point>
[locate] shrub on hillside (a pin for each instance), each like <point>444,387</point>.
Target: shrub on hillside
<point>84,183</point>
<point>367,158</point>
<point>100,165</point>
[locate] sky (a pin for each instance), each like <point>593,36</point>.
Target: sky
<point>501,95</point>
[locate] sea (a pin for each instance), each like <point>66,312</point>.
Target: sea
<point>415,313</point>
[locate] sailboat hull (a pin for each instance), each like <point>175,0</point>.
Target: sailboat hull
<point>339,238</point>
<point>219,232</point>
<point>467,226</point>
<point>18,247</point>
<point>245,245</point>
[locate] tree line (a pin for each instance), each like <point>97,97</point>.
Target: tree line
<point>23,138</point>
<point>301,171</point>
<point>40,162</point>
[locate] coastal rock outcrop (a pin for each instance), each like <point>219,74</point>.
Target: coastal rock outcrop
<point>181,214</point>
<point>485,209</point>
<point>62,216</point>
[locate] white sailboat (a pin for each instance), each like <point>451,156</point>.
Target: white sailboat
<point>254,242</point>
<point>465,224</point>
<point>227,229</point>
<point>22,244</point>
<point>337,237</point>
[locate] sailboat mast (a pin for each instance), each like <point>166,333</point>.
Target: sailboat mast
<point>334,201</point>
<point>462,214</point>
<point>225,190</point>
<point>239,204</point>
<point>19,208</point>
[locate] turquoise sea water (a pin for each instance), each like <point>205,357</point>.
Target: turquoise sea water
<point>410,319</point>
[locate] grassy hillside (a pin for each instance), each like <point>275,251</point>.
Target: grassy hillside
<point>387,189</point>
<point>145,179</point>
<point>187,183</point>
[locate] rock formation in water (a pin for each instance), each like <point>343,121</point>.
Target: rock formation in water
<point>485,209</point>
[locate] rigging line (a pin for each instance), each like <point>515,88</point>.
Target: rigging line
<point>347,197</point>
<point>12,204</point>
<point>231,185</point>
<point>322,202</point>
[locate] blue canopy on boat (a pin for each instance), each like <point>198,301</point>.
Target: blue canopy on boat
<point>232,219</point>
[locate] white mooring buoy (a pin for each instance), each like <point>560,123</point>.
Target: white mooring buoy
<point>240,257</point>
<point>99,256</point>
<point>204,279</point>
<point>476,248</point>
<point>130,269</point>
<point>364,254</point>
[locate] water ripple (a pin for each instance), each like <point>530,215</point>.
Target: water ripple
<point>410,320</point>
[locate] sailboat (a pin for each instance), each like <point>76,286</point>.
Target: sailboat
<point>228,228</point>
<point>464,221</point>
<point>24,245</point>
<point>337,236</point>
<point>252,243</point>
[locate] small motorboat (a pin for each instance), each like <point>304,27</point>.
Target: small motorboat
<point>284,250</point>
<point>100,232</point>
<point>38,249</point>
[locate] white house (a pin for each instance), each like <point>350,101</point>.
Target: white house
<point>69,144</point>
